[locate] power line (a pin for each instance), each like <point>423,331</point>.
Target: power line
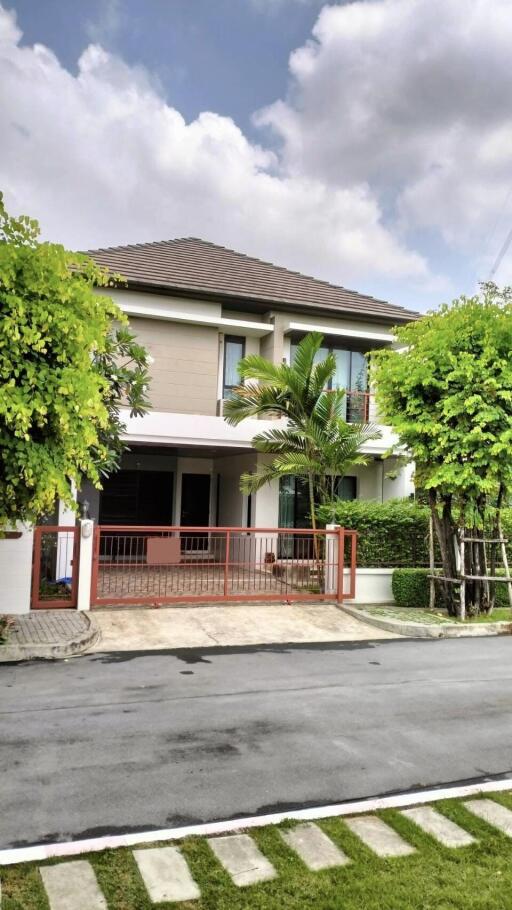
<point>501,254</point>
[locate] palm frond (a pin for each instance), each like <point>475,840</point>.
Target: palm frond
<point>322,374</point>
<point>256,367</point>
<point>253,400</point>
<point>305,354</point>
<point>279,440</point>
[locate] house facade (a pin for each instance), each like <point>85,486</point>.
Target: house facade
<point>198,308</point>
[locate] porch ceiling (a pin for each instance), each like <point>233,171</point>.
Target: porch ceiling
<point>189,451</point>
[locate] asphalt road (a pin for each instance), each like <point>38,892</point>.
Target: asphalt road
<point>111,743</point>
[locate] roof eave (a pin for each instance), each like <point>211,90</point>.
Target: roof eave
<point>264,302</point>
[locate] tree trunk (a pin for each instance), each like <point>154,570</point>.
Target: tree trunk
<point>446,535</point>
<point>316,542</point>
<point>495,546</point>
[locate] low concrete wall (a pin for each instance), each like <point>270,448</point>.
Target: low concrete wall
<point>373,586</point>
<point>16,572</point>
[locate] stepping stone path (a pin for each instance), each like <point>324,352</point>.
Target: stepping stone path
<point>72,886</point>
<point>438,826</point>
<point>166,875</point>
<point>493,813</point>
<point>242,860</point>
<point>315,849</point>
<point>378,836</point>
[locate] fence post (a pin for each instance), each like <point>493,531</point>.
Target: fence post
<point>332,560</point>
<point>86,548</point>
<point>226,563</point>
<point>353,564</point>
<point>341,565</point>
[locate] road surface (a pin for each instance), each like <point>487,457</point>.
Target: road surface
<point>110,743</point>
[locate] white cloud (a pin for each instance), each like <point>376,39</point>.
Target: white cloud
<point>107,23</point>
<point>101,159</point>
<point>414,97</point>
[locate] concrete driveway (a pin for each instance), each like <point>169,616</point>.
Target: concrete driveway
<point>139,629</point>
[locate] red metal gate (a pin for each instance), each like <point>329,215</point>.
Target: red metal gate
<point>55,567</point>
<point>153,565</point>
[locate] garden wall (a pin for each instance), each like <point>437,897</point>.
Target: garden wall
<point>16,572</point>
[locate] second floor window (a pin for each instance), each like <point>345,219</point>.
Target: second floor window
<point>351,368</point>
<point>234,351</point>
<point>352,375</point>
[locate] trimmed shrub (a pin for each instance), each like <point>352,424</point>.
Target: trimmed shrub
<point>392,533</point>
<point>506,520</point>
<point>410,587</point>
<point>502,592</point>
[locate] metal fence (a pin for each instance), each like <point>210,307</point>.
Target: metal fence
<point>55,566</point>
<point>137,565</point>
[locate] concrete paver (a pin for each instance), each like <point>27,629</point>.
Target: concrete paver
<point>492,813</point>
<point>315,849</point>
<point>142,629</point>
<point>378,836</point>
<point>438,826</point>
<point>72,886</point>
<point>242,860</point>
<point>47,627</point>
<point>166,875</point>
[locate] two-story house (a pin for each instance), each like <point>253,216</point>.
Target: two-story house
<point>198,308</point>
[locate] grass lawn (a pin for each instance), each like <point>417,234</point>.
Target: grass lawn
<point>435,878</point>
<point>435,617</point>
<point>414,614</point>
<point>499,614</point>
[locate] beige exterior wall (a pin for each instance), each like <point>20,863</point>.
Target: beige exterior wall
<point>185,367</point>
<point>273,346</point>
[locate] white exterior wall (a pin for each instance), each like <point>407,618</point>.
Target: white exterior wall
<point>373,586</point>
<point>232,503</point>
<point>16,572</point>
<point>401,486</point>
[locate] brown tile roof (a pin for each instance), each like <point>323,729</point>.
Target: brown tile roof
<point>189,266</point>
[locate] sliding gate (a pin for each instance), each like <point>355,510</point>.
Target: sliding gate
<point>153,565</point>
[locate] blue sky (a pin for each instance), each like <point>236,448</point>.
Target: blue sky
<point>228,56</point>
<point>355,141</point>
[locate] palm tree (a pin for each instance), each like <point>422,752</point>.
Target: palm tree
<point>316,443</point>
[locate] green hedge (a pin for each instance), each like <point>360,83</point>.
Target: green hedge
<point>506,520</point>
<point>410,587</point>
<point>502,592</point>
<point>392,533</point>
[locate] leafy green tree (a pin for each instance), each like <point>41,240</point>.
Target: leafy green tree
<point>317,443</point>
<point>448,395</point>
<point>68,363</point>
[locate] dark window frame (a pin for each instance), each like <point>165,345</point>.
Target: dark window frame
<point>233,339</point>
<point>331,348</point>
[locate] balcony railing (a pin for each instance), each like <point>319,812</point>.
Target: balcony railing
<point>358,410</point>
<point>358,406</point>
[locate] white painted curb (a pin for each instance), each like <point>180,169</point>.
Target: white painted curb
<point>41,852</point>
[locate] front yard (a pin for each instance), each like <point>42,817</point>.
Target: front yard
<point>473,877</point>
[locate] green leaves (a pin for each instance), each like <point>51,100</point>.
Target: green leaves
<point>448,394</point>
<point>64,372</point>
